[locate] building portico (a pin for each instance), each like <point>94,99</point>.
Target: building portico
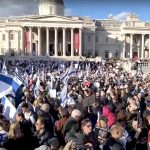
<point>51,41</point>
<point>136,46</point>
<point>52,34</point>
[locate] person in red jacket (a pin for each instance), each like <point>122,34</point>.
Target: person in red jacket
<point>111,117</point>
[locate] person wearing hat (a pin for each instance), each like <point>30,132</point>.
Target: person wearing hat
<point>73,121</point>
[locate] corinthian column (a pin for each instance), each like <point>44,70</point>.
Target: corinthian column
<point>31,47</point>
<point>47,41</point>
<point>80,42</point>
<point>39,41</point>
<point>64,42</point>
<point>56,42</point>
<point>149,46</point>
<point>142,52</point>
<point>131,46</point>
<point>72,42</point>
<point>22,41</point>
<point>124,47</point>
<point>8,42</point>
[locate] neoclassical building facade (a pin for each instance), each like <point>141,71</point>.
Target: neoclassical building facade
<point>52,34</point>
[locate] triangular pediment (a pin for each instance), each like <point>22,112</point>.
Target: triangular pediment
<point>51,18</point>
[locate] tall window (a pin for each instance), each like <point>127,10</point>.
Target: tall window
<point>51,9</point>
<point>19,36</point>
<point>96,53</point>
<point>3,37</point>
<point>89,39</point>
<point>2,51</point>
<point>134,41</point>
<point>117,54</point>
<point>106,54</point>
<point>96,39</point>
<point>33,36</point>
<point>116,40</point>
<point>106,39</point>
<point>11,36</point>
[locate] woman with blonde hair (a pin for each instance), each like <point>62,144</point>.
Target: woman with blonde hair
<point>15,138</point>
<point>15,131</point>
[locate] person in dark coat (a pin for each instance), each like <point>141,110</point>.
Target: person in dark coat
<point>15,140</point>
<point>44,113</point>
<point>60,124</point>
<point>42,135</point>
<point>73,121</point>
<point>25,125</point>
<point>112,142</point>
<point>147,110</point>
<point>86,137</point>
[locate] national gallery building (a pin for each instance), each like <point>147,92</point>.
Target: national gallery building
<point>52,34</point>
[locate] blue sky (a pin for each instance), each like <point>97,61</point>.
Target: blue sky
<point>100,9</point>
<point>96,9</point>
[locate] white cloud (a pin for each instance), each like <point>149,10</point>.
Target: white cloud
<point>121,16</point>
<point>68,12</point>
<point>17,7</point>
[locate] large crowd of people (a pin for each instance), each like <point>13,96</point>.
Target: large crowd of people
<point>78,105</point>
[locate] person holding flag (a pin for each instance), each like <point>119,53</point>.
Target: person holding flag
<point>4,69</point>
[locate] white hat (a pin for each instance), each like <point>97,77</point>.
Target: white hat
<point>126,86</point>
<point>75,113</point>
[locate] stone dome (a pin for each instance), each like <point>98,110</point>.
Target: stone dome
<point>51,7</point>
<point>51,1</point>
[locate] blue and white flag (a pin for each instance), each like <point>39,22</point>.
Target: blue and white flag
<point>88,67</point>
<point>69,73</point>
<point>64,75</point>
<point>9,110</point>
<point>16,71</point>
<point>37,87</point>
<point>4,69</point>
<point>8,84</point>
<point>52,82</point>
<point>63,95</point>
<point>32,69</point>
<point>25,79</point>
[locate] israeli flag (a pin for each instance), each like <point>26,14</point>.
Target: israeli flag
<point>37,87</point>
<point>69,73</point>
<point>9,110</point>
<point>88,67</point>
<point>25,79</point>
<point>32,69</point>
<point>52,82</point>
<point>16,71</point>
<point>63,95</point>
<point>4,69</point>
<point>64,75</point>
<point>8,84</point>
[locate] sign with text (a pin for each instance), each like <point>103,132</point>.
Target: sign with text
<point>53,93</point>
<point>88,101</point>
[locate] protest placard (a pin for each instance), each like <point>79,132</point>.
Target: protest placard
<point>53,93</point>
<point>88,101</point>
